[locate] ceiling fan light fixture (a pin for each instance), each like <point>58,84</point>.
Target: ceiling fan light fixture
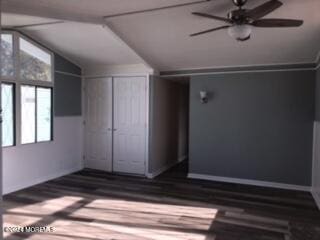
<point>240,32</point>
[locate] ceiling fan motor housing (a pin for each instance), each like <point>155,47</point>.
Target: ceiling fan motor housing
<point>239,16</point>
<point>239,3</point>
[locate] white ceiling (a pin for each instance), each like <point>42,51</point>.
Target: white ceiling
<point>85,44</point>
<point>161,38</point>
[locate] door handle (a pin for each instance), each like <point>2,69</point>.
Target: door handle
<point>112,129</point>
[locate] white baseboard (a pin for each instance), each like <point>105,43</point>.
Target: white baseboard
<point>36,181</point>
<point>182,158</point>
<point>250,182</point>
<point>166,167</point>
<point>316,196</point>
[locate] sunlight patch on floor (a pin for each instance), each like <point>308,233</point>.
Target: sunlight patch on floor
<point>113,219</point>
<point>29,214</point>
<point>151,220</point>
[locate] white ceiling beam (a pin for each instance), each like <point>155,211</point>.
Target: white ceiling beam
<point>108,27</point>
<point>155,9</point>
<point>24,9</point>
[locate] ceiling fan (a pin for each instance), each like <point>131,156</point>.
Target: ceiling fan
<point>241,20</point>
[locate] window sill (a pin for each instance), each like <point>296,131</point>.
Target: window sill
<point>6,147</point>
<point>35,143</point>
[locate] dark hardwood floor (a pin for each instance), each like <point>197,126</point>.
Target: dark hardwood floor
<point>92,205</point>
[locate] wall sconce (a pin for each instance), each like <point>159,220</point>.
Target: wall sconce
<point>204,97</point>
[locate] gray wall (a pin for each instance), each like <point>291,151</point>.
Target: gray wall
<point>64,65</point>
<point>256,126</point>
<point>317,117</point>
<point>67,88</point>
<point>166,127</point>
<point>316,165</point>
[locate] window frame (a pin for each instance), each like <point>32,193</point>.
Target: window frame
<point>18,82</point>
<point>51,114</point>
<point>20,111</point>
<point>35,115</point>
<point>14,117</point>
<point>30,81</point>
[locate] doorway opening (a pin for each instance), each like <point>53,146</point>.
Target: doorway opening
<point>180,126</point>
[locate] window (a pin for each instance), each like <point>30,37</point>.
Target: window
<point>27,73</point>
<point>44,114</point>
<point>7,62</point>
<point>36,114</point>
<point>35,63</point>
<point>7,101</point>
<point>28,113</point>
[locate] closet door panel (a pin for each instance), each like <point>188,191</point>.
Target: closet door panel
<point>130,118</point>
<point>98,128</point>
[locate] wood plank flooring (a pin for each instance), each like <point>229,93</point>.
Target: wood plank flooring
<point>93,205</point>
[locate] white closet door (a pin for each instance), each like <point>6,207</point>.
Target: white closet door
<point>130,114</point>
<point>99,124</point>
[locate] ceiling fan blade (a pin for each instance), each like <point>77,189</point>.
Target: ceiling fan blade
<point>208,31</point>
<point>274,22</point>
<point>35,25</point>
<point>212,17</point>
<point>263,9</point>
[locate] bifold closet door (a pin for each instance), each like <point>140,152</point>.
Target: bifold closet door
<point>99,124</point>
<point>130,125</point>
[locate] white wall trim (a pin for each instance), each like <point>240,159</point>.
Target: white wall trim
<point>68,74</point>
<point>237,71</point>
<point>250,65</point>
<point>116,75</point>
<point>165,168</point>
<point>39,180</point>
<point>250,182</point>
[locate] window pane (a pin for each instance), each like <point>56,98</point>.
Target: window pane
<point>43,114</point>
<point>35,64</point>
<point>7,68</point>
<point>28,110</point>
<point>7,114</point>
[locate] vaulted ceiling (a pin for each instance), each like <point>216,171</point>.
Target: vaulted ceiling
<point>84,43</point>
<point>161,38</point>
